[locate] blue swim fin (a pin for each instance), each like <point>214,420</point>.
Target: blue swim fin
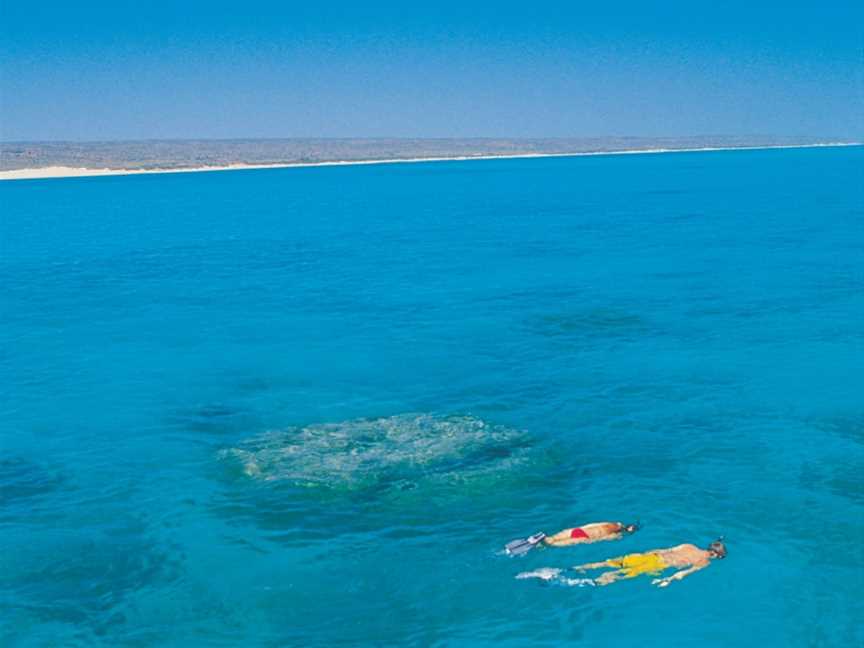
<point>523,545</point>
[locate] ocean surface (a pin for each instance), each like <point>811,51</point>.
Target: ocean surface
<point>308,407</point>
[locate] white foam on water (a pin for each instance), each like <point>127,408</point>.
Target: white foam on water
<point>544,573</point>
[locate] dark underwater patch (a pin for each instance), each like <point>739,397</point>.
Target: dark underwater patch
<point>82,579</point>
<point>213,419</point>
<point>849,427</point>
<point>21,480</point>
<point>597,322</point>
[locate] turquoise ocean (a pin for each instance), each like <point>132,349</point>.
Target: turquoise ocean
<point>308,407</point>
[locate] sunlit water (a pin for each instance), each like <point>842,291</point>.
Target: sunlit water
<point>307,407</point>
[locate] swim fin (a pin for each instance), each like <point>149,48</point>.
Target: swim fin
<point>523,545</point>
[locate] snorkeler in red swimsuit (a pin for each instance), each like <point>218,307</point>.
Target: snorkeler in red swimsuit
<point>587,533</point>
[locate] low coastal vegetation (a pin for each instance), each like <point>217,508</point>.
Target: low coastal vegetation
<point>181,154</point>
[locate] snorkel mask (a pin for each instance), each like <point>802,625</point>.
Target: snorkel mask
<point>631,528</point>
<point>717,548</point>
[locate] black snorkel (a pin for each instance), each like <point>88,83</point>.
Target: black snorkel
<point>633,527</point>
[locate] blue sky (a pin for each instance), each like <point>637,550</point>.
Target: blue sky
<point>163,69</point>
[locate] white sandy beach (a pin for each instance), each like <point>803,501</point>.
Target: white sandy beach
<point>74,172</point>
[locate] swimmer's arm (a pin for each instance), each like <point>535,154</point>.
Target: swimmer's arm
<point>664,582</point>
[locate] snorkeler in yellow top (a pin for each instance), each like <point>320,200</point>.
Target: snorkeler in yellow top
<point>687,557</point>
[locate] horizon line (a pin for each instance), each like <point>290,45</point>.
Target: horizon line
<point>823,137</point>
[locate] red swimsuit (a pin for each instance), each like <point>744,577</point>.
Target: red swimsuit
<point>578,533</point>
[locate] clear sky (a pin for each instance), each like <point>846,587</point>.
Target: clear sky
<point>117,69</point>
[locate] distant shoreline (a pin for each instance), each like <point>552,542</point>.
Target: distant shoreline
<point>43,173</point>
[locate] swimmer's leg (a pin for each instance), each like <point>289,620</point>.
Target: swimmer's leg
<point>595,565</point>
<point>609,577</point>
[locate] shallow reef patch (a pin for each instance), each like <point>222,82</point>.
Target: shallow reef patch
<point>397,451</point>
